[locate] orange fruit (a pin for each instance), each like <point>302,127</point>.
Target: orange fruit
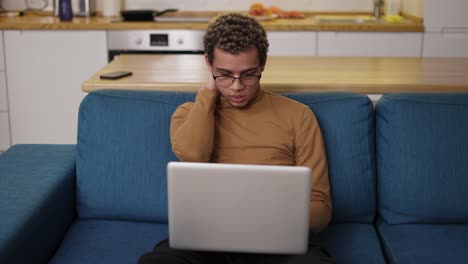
<point>257,6</point>
<point>256,12</point>
<point>258,9</point>
<point>274,10</point>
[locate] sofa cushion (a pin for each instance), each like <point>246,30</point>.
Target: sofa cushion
<point>347,124</point>
<point>123,150</point>
<point>423,243</point>
<point>103,241</point>
<point>422,158</point>
<point>353,243</point>
<point>37,200</point>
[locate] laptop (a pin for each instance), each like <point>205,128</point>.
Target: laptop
<point>238,208</point>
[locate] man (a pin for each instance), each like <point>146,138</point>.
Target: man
<point>234,121</point>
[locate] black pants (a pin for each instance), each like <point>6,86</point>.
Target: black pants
<point>163,254</point>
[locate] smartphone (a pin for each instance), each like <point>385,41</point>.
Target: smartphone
<point>115,75</point>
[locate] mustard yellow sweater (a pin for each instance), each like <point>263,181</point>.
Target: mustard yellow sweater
<point>272,129</point>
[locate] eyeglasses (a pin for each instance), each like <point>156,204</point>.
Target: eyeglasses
<point>246,80</point>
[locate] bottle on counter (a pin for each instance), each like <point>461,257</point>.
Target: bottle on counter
<point>65,12</point>
<point>111,8</point>
<point>392,7</point>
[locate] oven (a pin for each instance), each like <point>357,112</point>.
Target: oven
<point>154,42</point>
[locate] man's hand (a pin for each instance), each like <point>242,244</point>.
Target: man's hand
<point>211,85</point>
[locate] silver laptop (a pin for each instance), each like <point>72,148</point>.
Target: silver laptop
<point>239,208</point>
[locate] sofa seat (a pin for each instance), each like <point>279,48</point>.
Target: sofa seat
<point>352,243</point>
<point>106,241</point>
<point>425,243</point>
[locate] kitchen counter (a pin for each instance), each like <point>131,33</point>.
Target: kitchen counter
<point>368,75</point>
<point>48,22</point>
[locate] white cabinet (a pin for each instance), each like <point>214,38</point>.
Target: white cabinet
<point>45,72</point>
<point>4,132</point>
<point>3,93</point>
<point>292,43</point>
<point>369,44</point>
<point>2,57</point>
<point>446,25</point>
<point>447,43</point>
<point>3,89</point>
<point>4,124</point>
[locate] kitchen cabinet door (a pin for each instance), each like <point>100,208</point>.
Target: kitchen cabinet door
<point>3,93</point>
<point>2,57</point>
<point>292,43</point>
<point>4,132</point>
<point>45,72</point>
<point>4,126</point>
<point>380,44</point>
<point>447,43</point>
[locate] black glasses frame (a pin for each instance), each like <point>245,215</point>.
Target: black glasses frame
<point>236,78</point>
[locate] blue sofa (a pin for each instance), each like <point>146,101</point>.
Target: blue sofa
<point>398,178</point>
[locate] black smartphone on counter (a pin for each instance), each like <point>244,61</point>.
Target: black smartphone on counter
<point>115,75</point>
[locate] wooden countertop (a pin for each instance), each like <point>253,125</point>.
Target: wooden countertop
<point>49,22</point>
<point>369,75</point>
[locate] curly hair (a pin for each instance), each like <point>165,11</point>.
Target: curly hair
<point>235,33</point>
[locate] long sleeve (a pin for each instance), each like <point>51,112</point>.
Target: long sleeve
<point>192,128</point>
<point>310,152</point>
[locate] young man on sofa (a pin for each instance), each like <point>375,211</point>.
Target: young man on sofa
<point>234,121</point>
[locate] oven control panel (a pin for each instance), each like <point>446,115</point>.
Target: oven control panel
<point>156,40</point>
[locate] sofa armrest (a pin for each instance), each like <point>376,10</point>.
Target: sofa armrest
<point>37,201</point>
